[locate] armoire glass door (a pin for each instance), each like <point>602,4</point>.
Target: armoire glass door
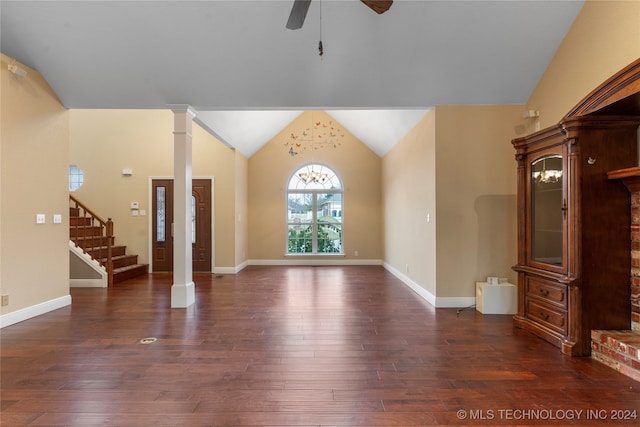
<point>548,210</point>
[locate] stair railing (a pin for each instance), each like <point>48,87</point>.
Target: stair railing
<point>90,220</point>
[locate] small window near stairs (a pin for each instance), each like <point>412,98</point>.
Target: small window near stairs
<point>76,177</point>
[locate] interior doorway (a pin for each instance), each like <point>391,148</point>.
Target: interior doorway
<point>162,224</point>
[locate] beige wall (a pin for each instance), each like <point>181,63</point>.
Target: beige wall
<point>34,161</point>
<point>103,142</point>
<point>269,172</point>
<point>604,38</point>
<point>409,204</point>
<point>475,195</point>
<point>450,200</point>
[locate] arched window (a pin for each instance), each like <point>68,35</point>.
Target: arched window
<point>314,211</point>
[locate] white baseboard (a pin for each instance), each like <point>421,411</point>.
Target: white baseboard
<point>33,311</point>
<point>242,266</point>
<point>88,283</point>
<point>294,262</point>
<point>455,302</point>
<point>438,302</point>
<point>422,292</point>
<point>314,261</point>
<point>231,270</point>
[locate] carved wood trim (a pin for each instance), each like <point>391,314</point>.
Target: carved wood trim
<point>623,84</point>
<point>624,173</point>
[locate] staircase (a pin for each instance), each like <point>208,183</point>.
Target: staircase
<point>95,236</point>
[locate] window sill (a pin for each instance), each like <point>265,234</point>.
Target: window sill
<point>342,255</point>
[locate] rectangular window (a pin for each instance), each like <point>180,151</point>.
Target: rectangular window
<point>329,238</point>
<point>300,239</point>
<point>300,208</point>
<point>329,225</point>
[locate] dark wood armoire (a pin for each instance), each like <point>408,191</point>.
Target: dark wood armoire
<point>574,248</point>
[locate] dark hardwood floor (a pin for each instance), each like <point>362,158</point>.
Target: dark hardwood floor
<point>299,346</point>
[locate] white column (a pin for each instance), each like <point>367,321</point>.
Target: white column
<point>183,290</point>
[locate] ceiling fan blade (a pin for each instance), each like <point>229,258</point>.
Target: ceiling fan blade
<point>378,6</point>
<point>298,13</point>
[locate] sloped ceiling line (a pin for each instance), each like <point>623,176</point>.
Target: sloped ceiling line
<point>234,61</point>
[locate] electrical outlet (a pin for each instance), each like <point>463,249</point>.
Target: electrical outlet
<point>5,300</point>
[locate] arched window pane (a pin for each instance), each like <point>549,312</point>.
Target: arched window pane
<point>314,211</point>
<point>314,176</point>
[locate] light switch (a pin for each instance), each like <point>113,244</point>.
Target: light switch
<point>134,212</point>
<point>142,212</point>
<point>57,219</point>
<point>40,219</point>
<point>134,205</point>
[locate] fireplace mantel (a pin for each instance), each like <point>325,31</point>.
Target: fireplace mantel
<point>630,177</point>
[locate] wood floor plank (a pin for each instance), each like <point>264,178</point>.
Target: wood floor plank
<point>288,346</point>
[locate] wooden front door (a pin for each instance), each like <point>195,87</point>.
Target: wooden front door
<point>162,205</point>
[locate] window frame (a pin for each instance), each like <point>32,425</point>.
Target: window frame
<point>76,177</point>
<point>315,192</point>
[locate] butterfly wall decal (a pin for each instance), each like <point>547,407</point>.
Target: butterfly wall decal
<point>319,136</point>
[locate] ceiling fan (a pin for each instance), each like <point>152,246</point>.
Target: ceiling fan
<point>300,8</point>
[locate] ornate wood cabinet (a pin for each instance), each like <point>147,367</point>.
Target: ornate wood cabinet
<point>574,249</point>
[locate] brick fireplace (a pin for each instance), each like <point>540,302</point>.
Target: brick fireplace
<point>631,179</point>
<point>621,349</point>
<point>635,258</point>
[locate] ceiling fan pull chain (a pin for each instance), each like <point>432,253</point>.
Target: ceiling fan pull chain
<point>320,47</point>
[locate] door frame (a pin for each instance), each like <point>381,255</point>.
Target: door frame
<point>150,221</point>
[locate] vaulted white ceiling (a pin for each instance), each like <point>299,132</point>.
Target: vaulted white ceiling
<point>248,76</point>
